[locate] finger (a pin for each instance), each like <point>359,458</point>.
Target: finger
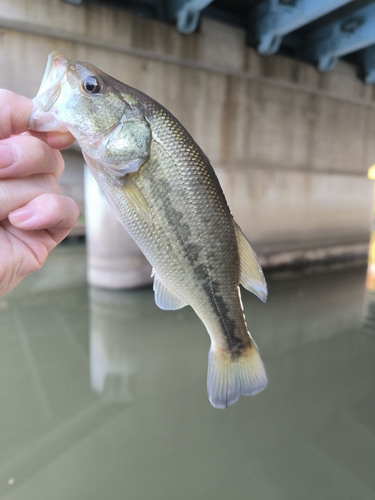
<point>15,193</point>
<point>24,155</point>
<point>14,113</point>
<point>60,140</point>
<point>47,211</point>
<point>56,140</point>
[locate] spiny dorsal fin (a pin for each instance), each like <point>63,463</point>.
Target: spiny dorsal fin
<point>164,297</point>
<point>251,274</point>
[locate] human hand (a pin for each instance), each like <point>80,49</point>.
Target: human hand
<point>34,217</point>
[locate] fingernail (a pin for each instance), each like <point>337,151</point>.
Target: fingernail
<point>7,155</point>
<point>21,215</point>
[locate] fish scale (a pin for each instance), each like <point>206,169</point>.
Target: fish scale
<point>164,191</point>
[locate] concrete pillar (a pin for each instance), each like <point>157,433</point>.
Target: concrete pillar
<point>113,259</point>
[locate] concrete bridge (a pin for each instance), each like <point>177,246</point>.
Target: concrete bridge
<point>291,145</point>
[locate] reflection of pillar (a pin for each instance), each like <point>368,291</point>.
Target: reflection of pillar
<point>112,360</point>
<point>370,283</point>
<point>368,324</point>
<point>369,310</point>
<point>114,260</point>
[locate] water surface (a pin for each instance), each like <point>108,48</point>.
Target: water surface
<point>103,395</point>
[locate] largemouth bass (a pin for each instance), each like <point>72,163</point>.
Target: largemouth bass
<point>165,193</point>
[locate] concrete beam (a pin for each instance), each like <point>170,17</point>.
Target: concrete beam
<point>369,64</point>
<point>276,18</point>
<point>344,36</point>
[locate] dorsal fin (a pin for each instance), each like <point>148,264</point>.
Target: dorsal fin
<point>251,274</point>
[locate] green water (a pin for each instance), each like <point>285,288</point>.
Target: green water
<point>102,395</point>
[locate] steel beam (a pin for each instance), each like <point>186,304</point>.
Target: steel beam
<point>344,36</point>
<point>187,14</point>
<point>369,64</point>
<point>276,18</point>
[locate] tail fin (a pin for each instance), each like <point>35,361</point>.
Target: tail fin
<point>230,377</point>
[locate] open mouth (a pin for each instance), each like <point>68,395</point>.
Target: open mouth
<point>43,118</point>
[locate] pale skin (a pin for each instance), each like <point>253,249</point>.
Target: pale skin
<point>34,217</point>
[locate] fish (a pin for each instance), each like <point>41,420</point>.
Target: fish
<point>164,191</point>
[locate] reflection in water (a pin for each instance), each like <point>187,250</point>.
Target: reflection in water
<point>369,316</point>
<point>112,360</point>
<point>369,309</point>
<point>370,282</point>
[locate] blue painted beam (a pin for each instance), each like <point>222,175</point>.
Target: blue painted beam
<point>276,18</point>
<point>344,36</point>
<point>187,14</point>
<point>369,64</point>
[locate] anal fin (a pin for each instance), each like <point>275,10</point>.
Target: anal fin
<point>165,298</point>
<point>251,274</point>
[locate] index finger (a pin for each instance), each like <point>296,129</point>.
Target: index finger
<point>14,113</point>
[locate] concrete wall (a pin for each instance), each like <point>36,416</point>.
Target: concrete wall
<point>291,146</point>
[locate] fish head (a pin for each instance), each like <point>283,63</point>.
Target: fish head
<point>103,114</point>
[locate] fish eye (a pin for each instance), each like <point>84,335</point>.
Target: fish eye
<point>91,85</point>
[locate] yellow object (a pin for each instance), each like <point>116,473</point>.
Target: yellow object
<point>371,172</point>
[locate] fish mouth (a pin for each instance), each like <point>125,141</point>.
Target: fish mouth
<point>43,117</point>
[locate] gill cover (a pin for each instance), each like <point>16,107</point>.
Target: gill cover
<point>125,147</point>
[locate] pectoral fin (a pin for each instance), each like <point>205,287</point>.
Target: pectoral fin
<point>136,199</point>
<point>129,188</point>
<point>251,274</point>
<point>164,297</point>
